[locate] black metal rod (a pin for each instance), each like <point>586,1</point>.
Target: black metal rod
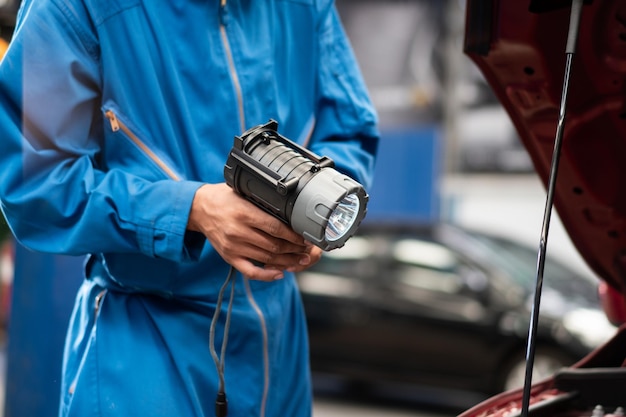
<point>556,154</point>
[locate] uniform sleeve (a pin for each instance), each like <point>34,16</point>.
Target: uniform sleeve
<point>52,191</point>
<point>346,128</point>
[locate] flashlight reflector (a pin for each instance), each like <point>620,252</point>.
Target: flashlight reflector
<point>342,218</point>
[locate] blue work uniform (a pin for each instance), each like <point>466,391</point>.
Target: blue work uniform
<point>113,113</point>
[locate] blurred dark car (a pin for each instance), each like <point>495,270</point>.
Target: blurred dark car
<point>443,307</point>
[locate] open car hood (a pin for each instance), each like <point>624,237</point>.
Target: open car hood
<point>519,46</point>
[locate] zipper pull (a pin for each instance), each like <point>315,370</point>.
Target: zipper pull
<point>98,301</point>
<point>115,125</point>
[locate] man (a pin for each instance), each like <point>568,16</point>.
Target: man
<point>117,118</point>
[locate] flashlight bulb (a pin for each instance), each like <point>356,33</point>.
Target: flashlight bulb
<point>342,218</point>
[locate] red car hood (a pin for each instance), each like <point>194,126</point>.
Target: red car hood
<point>519,46</point>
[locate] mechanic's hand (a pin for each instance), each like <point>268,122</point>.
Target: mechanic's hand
<point>243,234</point>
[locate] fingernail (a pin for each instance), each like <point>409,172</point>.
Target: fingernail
<point>279,276</point>
<point>305,260</point>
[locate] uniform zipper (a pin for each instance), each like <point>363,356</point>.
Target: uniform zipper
<point>266,359</point>
<point>242,126</point>
<point>231,66</point>
<point>117,124</point>
<point>98,302</point>
<point>96,312</point>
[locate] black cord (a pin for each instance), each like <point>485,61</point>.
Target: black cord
<point>221,402</point>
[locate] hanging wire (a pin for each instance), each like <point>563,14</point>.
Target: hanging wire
<point>221,403</point>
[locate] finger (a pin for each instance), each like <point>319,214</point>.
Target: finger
<point>315,254</point>
<point>260,229</point>
<point>306,260</point>
<point>241,240</point>
<point>232,251</point>
<point>276,245</point>
<point>276,229</point>
<point>254,272</point>
<point>279,260</point>
<point>267,244</point>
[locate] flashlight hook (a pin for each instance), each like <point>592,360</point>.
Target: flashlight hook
<point>267,133</point>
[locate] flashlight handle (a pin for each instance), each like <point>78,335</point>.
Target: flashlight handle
<point>249,164</point>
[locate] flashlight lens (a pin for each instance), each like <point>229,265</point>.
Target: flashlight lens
<point>342,218</point>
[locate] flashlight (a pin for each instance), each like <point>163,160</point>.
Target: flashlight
<point>296,186</point>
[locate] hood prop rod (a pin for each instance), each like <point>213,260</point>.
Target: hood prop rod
<point>572,38</point>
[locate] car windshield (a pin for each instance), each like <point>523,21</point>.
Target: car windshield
<point>520,262</point>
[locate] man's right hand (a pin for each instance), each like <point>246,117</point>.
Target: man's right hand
<point>246,236</point>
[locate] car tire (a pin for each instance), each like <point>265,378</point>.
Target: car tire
<point>546,363</point>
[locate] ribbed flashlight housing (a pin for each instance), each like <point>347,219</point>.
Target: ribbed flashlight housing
<point>296,186</point>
